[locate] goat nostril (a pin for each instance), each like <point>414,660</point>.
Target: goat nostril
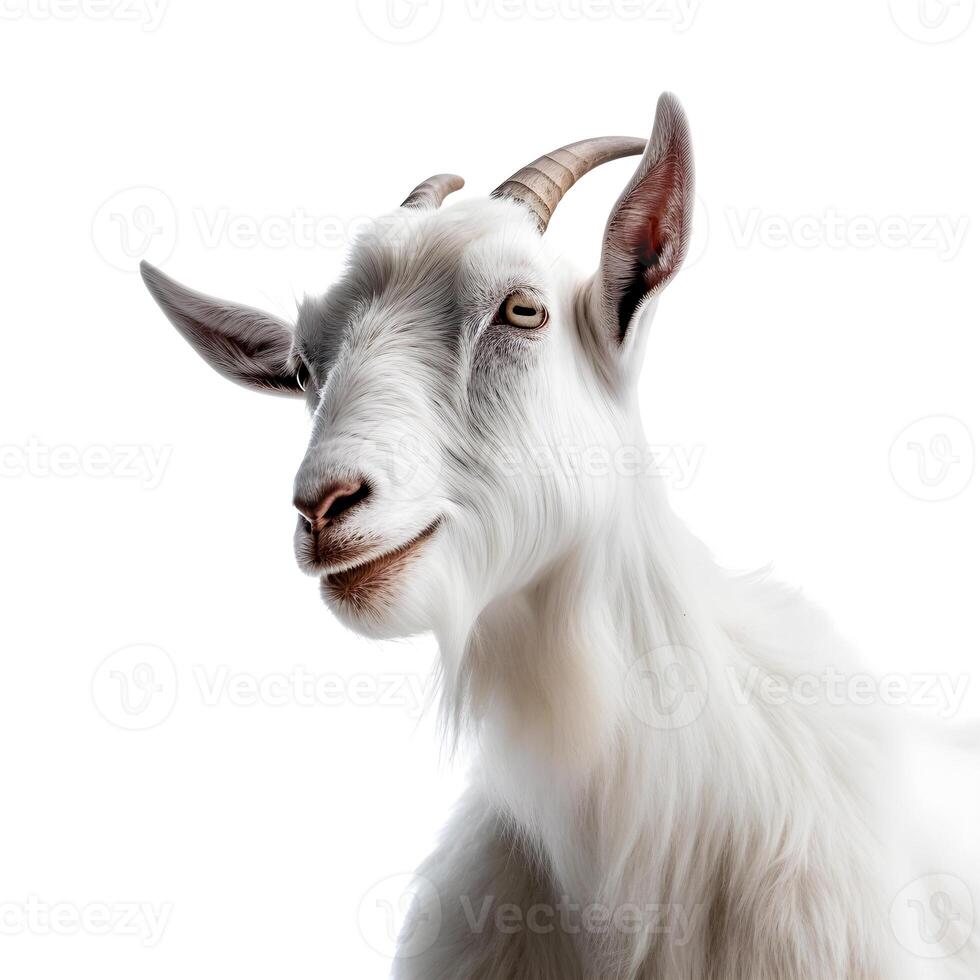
<point>334,500</point>
<point>346,501</point>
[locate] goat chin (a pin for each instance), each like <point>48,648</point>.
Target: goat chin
<point>398,608</point>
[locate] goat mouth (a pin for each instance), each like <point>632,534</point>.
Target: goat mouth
<point>357,584</point>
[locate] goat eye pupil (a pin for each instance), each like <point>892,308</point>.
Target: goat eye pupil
<point>521,310</point>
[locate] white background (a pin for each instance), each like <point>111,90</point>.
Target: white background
<point>826,310</point>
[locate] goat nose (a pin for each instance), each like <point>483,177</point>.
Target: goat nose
<point>331,501</point>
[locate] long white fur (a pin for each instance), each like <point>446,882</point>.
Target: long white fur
<point>773,839</point>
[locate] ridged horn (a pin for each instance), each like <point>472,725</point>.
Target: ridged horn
<point>541,185</point>
<point>432,192</point>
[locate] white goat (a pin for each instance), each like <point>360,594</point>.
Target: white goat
<point>632,815</point>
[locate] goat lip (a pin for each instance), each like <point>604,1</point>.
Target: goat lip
<point>355,580</point>
<point>318,554</point>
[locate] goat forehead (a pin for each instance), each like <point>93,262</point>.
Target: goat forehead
<point>420,266</point>
<point>400,316</point>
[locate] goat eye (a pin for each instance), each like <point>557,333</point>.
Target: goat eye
<point>303,377</point>
<point>524,311</point>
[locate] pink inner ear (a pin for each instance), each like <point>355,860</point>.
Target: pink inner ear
<point>649,244</point>
<point>647,235</point>
<point>660,198</point>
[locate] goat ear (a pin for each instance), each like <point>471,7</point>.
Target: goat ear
<point>246,345</point>
<point>647,233</point>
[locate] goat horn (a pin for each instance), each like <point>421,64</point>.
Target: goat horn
<point>432,192</point>
<point>541,185</point>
